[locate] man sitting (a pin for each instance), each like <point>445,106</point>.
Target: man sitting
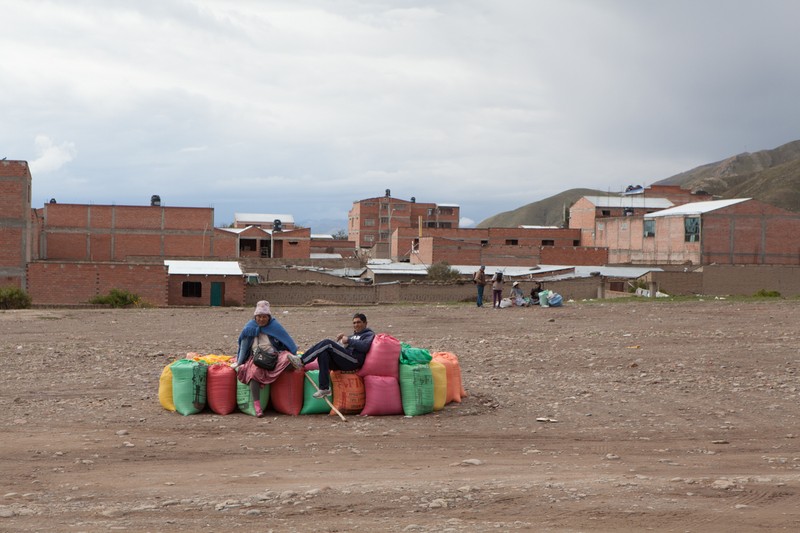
<point>347,352</point>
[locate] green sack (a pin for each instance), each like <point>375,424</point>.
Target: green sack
<point>414,356</point>
<point>311,405</point>
<point>244,398</point>
<point>416,389</point>
<point>189,386</point>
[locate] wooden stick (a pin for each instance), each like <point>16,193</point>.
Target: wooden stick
<point>335,410</point>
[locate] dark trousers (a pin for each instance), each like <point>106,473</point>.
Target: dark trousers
<point>480,295</point>
<point>497,296</point>
<point>331,356</point>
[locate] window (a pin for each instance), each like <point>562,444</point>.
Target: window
<point>447,225</point>
<point>606,213</point>
<point>384,220</point>
<point>192,289</point>
<point>548,242</point>
<point>399,207</point>
<point>691,229</point>
<point>512,242</point>
<point>415,245</point>
<point>446,210</point>
<point>576,242</point>
<point>484,242</point>
<point>247,245</point>
<point>369,222</point>
<point>649,227</point>
<point>369,238</point>
<point>384,236</point>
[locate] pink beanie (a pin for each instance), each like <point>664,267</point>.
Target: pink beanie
<point>262,308</point>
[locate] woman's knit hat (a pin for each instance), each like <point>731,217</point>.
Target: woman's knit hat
<point>262,308</point>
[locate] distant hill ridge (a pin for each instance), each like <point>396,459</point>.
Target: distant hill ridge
<point>771,176</point>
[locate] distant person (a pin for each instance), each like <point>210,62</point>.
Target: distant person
<point>347,352</point>
<point>497,289</point>
<point>264,331</point>
<point>535,290</point>
<point>517,296</point>
<point>479,279</point>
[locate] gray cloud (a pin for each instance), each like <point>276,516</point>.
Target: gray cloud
<point>303,107</point>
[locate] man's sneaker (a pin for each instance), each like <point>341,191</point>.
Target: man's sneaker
<point>296,361</point>
<point>322,393</point>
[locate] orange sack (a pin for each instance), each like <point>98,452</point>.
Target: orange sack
<point>455,390</point>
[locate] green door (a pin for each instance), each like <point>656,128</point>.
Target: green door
<point>217,293</point>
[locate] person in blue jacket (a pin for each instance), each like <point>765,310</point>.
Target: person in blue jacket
<point>347,352</point>
<point>267,332</point>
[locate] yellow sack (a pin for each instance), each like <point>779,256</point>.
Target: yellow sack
<point>165,389</point>
<point>439,373</point>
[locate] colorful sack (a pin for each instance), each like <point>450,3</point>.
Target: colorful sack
<point>383,358</point>
<point>286,393</point>
<point>439,374</point>
<point>221,389</point>
<point>311,405</point>
<point>413,356</point>
<point>455,391</point>
<point>165,389</point>
<point>348,392</point>
<point>189,386</point>
<point>244,398</point>
<point>416,389</point>
<point>382,396</point>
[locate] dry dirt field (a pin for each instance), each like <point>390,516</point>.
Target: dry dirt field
<point>616,416</point>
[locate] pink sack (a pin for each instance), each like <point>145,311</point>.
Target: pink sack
<point>383,358</point>
<point>383,396</point>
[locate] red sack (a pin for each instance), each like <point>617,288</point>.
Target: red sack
<point>286,392</point>
<point>221,389</point>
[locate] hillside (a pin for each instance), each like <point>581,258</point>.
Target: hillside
<point>772,176</point>
<point>547,212</point>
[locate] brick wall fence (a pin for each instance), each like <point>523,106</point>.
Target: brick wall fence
<point>293,293</point>
<point>53,282</point>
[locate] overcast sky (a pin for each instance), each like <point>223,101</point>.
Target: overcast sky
<point>301,107</point>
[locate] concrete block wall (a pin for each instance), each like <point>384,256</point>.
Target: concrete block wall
<point>65,283</point>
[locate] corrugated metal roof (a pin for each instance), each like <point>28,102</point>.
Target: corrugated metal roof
<point>696,208</point>
<point>550,272</point>
<point>216,268</point>
<point>325,256</point>
<point>630,201</point>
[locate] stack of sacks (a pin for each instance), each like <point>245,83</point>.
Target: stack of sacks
<point>381,373</point>
<point>188,385</point>
<point>416,380</point>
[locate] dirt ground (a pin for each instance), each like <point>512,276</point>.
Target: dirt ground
<point>615,416</point>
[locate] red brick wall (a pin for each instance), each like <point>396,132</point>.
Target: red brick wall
<point>576,255</point>
<point>119,232</point>
<point>66,283</point>
<point>15,222</point>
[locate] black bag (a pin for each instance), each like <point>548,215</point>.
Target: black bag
<point>266,358</point>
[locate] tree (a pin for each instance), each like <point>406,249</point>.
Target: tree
<point>340,235</point>
<point>443,272</point>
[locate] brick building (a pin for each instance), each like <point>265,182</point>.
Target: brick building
<point>739,231</point>
<point>371,221</point>
<point>506,246</point>
<point>16,246</point>
<point>638,201</point>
